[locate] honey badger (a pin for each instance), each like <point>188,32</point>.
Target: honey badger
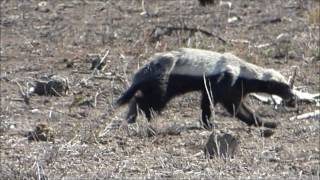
<point>228,80</point>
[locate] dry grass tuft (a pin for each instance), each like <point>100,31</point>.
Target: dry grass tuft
<point>313,16</point>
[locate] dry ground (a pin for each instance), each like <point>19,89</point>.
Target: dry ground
<point>41,38</point>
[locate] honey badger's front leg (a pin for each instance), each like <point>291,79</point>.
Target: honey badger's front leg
<point>138,102</point>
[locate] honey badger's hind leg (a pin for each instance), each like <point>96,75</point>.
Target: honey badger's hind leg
<point>138,102</point>
<point>147,100</point>
<point>206,111</point>
<point>133,111</point>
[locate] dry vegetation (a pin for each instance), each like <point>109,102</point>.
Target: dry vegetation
<point>40,38</point>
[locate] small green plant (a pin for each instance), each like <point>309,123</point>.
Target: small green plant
<point>316,53</point>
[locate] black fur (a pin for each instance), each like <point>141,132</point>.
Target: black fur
<point>206,2</point>
<point>158,82</point>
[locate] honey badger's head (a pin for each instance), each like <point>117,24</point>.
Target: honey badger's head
<point>280,86</point>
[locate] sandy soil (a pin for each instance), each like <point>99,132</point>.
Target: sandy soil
<point>40,38</point>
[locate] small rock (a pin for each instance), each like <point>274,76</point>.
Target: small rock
<point>95,60</point>
<point>43,7</point>
<point>41,133</point>
<point>270,156</point>
<point>266,133</point>
<point>270,20</point>
<point>69,64</point>
<point>9,20</point>
<point>35,111</point>
<point>53,85</point>
<point>221,145</point>
<point>12,126</point>
<point>173,130</point>
<point>233,19</point>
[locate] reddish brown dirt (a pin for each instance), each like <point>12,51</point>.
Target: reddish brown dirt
<point>40,38</point>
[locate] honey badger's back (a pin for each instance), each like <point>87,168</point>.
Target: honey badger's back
<point>199,62</point>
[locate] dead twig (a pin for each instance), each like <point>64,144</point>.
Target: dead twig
<point>302,97</point>
<point>101,61</point>
<point>90,101</point>
<point>315,114</point>
<point>209,94</point>
<point>24,94</point>
<point>293,77</point>
<point>144,10</point>
<point>95,69</point>
<point>307,97</point>
<point>159,31</point>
